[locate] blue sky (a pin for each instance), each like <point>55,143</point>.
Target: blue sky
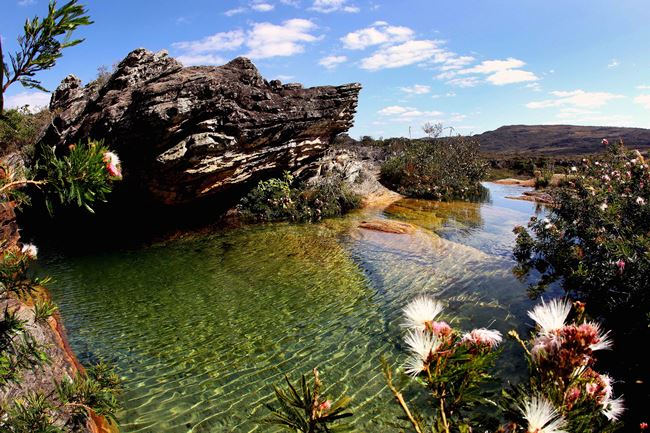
<point>473,65</point>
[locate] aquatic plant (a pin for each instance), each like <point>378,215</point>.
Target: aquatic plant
<point>451,365</point>
<point>305,408</point>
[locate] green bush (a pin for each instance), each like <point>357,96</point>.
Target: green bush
<point>20,129</point>
<point>279,199</point>
<point>596,240</point>
<point>440,168</point>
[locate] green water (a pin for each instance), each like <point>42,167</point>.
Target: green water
<point>200,328</point>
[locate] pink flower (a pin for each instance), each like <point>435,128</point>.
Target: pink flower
<point>591,388</point>
<point>113,164</point>
<point>325,406</point>
<point>620,265</point>
<point>440,329</point>
<point>605,142</point>
<point>643,425</point>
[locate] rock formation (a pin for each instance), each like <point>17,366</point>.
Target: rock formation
<point>186,133</point>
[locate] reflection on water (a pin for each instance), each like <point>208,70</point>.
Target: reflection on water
<point>199,329</point>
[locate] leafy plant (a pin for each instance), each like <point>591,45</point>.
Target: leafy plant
<point>453,367</point>
<point>282,200</point>
<point>30,414</point>
<point>303,408</point>
<point>95,391</point>
<point>18,349</point>
<point>44,309</point>
<point>595,241</point>
<point>440,168</point>
<point>41,45</point>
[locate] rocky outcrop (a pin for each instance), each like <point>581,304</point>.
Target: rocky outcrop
<point>186,133</point>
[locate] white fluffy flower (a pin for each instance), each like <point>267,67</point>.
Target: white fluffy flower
<point>613,408</point>
<point>603,206</point>
<point>30,251</point>
<point>421,344</point>
<point>574,169</point>
<point>640,201</point>
<point>604,341</point>
<point>550,317</point>
<point>420,311</point>
<point>414,365</point>
<point>483,337</point>
<point>542,416</point>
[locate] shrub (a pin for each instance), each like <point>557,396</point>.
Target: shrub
<point>280,200</point>
<point>440,168</point>
<point>20,129</point>
<point>596,239</point>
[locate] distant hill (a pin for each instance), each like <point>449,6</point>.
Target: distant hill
<point>559,139</point>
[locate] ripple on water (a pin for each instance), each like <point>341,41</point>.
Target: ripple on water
<point>201,328</point>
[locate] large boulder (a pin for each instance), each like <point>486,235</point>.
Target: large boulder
<point>186,133</point>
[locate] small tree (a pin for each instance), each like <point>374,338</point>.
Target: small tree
<point>41,45</point>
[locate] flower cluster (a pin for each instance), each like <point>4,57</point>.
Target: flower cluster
<point>433,344</point>
<point>565,384</point>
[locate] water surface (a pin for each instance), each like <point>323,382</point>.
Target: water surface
<point>201,328</point>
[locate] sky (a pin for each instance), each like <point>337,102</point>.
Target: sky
<point>472,65</point>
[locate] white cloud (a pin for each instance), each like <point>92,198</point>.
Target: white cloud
<point>26,2</point>
<point>576,98</point>
<point>501,72</point>
<point>643,100</point>
<point>201,60</point>
<point>294,3</point>
<point>416,89</point>
<point>454,63</point>
<point>613,64</point>
<point>36,100</point>
<point>379,33</point>
<point>328,6</point>
<point>223,41</point>
<point>262,7</point>
<point>395,56</point>
<point>331,62</point>
<point>284,77</point>
<point>235,11</point>
<point>263,40</point>
<point>643,87</point>
<point>270,40</point>
<point>464,82</point>
<point>492,66</point>
<point>535,87</point>
<point>510,76</point>
<point>590,117</point>
<point>398,113</point>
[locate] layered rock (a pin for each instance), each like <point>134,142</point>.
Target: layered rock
<point>185,133</point>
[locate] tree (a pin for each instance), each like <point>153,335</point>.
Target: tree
<point>41,45</point>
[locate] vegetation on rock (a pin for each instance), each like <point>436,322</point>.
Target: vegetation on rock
<point>283,199</point>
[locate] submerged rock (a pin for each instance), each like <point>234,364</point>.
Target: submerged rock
<point>186,133</point>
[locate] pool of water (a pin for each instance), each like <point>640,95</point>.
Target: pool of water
<point>201,328</point>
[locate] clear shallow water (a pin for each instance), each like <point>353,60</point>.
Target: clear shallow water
<point>201,328</point>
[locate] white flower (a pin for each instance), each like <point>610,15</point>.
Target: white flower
<point>551,316</point>
<point>548,226</point>
<point>640,201</point>
<point>546,220</point>
<point>30,251</point>
<point>414,365</point>
<point>603,206</point>
<point>111,158</point>
<point>421,344</point>
<point>604,342</point>
<point>613,408</point>
<point>574,169</point>
<point>420,311</point>
<point>483,337</point>
<point>542,416</point>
